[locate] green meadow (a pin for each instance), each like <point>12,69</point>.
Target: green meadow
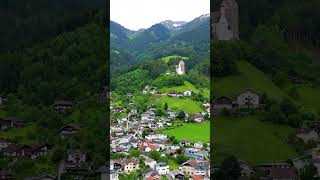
<point>309,97</point>
<point>187,86</point>
<point>191,132</point>
<point>249,77</point>
<point>180,104</point>
<point>251,140</point>
<point>167,58</point>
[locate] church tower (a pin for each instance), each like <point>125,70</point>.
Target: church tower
<point>180,68</point>
<point>231,12</point>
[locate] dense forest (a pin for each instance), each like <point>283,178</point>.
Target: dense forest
<point>64,57</point>
<point>25,23</point>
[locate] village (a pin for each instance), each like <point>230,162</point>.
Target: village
<point>160,156</point>
<point>75,162</point>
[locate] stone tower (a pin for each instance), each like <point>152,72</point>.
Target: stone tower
<point>231,13</point>
<point>225,21</point>
<point>180,68</point>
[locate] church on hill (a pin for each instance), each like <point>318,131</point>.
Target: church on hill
<point>180,68</point>
<point>225,22</point>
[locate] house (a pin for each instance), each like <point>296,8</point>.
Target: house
<point>10,122</point>
<point>76,161</point>
<point>133,112</point>
<point>198,117</point>
<point>148,115</point>
<point>63,106</point>
<point>172,94</point>
<point>176,174</point>
<point>196,154</point>
<point>151,174</point>
<point>222,102</point>
<point>4,144</point>
<point>129,94</point>
<point>30,151</point>
<point>162,168</point>
<point>154,90</point>
<point>38,150</point>
<point>184,143</point>
<point>149,147</point>
<point>6,175</point>
<point>248,99</point>
<point>150,162</point>
<point>145,89</point>
<point>69,130</point>
<point>187,93</point>
<point>195,167</point>
<point>246,170</point>
<point>171,113</point>
<point>307,134</point>
<point>278,171</point>
<point>126,165</point>
<point>156,136</point>
<point>198,145</point>
<point>107,172</point>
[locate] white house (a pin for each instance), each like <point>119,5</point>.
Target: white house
<point>248,98</point>
<point>198,145</point>
<point>187,93</point>
<point>171,113</point>
<point>162,168</point>
<point>156,136</point>
<point>150,162</point>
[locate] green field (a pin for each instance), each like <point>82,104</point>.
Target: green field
<point>191,132</point>
<point>22,135</point>
<point>251,140</point>
<point>249,77</point>
<point>180,104</point>
<point>187,86</point>
<point>167,58</point>
<point>309,97</point>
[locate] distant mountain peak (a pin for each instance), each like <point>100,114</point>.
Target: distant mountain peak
<point>172,25</point>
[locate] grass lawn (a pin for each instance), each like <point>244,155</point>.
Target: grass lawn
<point>191,132</point>
<point>248,77</point>
<point>181,104</point>
<point>251,140</point>
<point>172,164</point>
<point>309,97</point>
<point>187,86</point>
<point>167,58</point>
<point>22,135</point>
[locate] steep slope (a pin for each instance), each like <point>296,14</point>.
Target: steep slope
<point>248,77</point>
<point>155,34</point>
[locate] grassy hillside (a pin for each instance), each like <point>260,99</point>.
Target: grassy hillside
<point>187,86</point>
<point>248,77</point>
<point>183,132</point>
<point>167,58</point>
<point>251,140</point>
<point>309,97</point>
<point>181,104</point>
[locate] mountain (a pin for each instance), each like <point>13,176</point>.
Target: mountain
<point>196,23</point>
<point>155,34</point>
<point>173,25</point>
<point>196,30</point>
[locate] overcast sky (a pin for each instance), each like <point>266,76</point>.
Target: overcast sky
<point>136,14</point>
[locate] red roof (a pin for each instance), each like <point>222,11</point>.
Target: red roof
<point>197,177</point>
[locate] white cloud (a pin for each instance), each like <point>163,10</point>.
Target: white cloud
<point>136,14</point>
